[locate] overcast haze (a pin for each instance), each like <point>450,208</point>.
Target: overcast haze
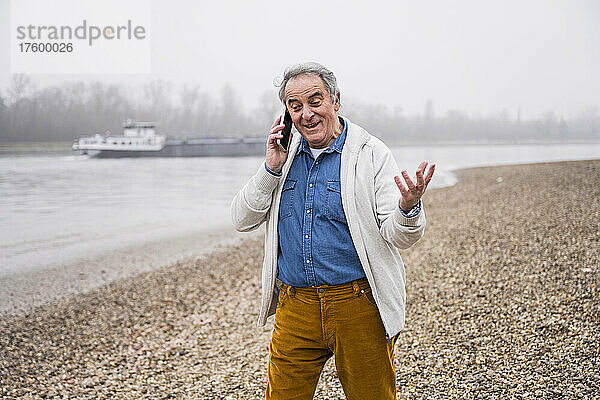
<point>478,57</point>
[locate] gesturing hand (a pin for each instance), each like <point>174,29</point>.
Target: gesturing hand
<point>412,195</point>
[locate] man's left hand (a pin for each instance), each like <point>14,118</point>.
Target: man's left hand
<point>412,194</point>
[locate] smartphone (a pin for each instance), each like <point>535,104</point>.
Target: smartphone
<point>284,142</point>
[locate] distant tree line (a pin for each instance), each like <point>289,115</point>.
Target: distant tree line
<point>457,126</point>
<point>61,113</point>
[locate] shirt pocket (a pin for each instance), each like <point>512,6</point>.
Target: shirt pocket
<point>287,199</point>
<point>333,202</point>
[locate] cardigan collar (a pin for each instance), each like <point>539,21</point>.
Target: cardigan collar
<point>356,137</point>
<point>337,145</point>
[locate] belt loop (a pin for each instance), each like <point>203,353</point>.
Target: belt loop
<point>291,291</point>
<point>355,288</point>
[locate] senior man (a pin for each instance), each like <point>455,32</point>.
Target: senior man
<point>336,213</point>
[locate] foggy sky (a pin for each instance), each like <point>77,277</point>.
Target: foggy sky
<point>476,56</point>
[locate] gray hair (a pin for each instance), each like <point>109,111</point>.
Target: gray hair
<point>310,68</point>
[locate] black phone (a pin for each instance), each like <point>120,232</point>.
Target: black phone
<point>284,142</point>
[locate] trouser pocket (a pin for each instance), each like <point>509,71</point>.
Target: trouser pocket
<point>367,296</point>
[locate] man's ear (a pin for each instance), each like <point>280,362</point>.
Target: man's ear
<point>336,105</point>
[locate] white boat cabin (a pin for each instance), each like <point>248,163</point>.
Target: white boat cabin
<point>137,136</point>
<point>138,129</point>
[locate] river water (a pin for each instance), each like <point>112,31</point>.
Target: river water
<point>58,208</point>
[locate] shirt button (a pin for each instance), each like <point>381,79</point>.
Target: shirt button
<point>306,236</point>
<point>321,290</point>
<point>308,211</point>
<point>310,185</point>
<point>308,261</point>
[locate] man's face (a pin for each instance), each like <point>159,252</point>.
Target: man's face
<point>312,111</point>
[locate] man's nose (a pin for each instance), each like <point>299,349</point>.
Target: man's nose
<point>307,113</point>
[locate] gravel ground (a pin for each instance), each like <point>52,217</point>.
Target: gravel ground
<point>503,303</point>
<point>23,290</point>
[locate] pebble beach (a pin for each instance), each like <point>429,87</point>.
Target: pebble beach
<point>503,302</point>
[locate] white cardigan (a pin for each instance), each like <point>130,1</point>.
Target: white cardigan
<point>377,227</point>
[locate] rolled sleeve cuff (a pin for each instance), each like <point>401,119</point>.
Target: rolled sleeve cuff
<point>411,218</point>
<point>271,172</point>
<point>266,180</point>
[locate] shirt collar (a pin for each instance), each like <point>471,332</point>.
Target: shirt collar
<point>337,145</point>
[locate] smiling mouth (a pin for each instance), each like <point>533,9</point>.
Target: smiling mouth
<point>312,125</point>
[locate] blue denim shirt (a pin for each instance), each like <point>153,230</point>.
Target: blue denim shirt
<point>315,246</point>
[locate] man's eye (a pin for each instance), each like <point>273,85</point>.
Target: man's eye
<point>315,103</point>
<point>296,108</point>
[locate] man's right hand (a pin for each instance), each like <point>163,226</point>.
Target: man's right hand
<point>275,155</point>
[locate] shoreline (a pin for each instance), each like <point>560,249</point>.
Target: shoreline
<point>22,291</point>
<point>503,300</point>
